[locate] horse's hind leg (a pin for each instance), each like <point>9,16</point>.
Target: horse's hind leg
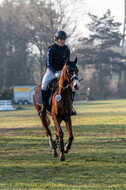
<point>45,123</point>
<point>70,135</point>
<point>53,147</point>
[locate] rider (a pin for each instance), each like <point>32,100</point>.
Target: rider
<point>57,55</point>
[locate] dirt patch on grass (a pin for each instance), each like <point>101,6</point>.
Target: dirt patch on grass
<point>101,135</point>
<point>20,153</point>
<point>19,128</point>
<point>8,133</point>
<point>15,131</point>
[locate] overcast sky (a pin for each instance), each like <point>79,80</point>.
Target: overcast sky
<point>99,7</point>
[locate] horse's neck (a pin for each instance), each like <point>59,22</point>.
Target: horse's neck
<point>62,84</point>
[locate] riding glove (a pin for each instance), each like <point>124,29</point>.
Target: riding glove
<point>57,75</point>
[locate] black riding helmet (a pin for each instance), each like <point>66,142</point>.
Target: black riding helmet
<point>60,35</point>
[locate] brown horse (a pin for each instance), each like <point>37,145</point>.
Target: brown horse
<point>61,107</point>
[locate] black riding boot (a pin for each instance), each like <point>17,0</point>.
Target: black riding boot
<point>72,96</point>
<point>44,96</point>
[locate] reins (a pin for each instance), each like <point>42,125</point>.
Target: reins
<point>65,86</point>
<point>69,79</point>
<point>68,84</point>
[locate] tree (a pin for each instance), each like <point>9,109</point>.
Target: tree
<point>27,28</point>
<point>44,19</point>
<point>99,48</point>
<point>15,68</point>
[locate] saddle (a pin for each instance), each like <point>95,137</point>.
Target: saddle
<point>50,91</point>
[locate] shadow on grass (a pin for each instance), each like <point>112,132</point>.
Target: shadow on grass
<point>91,103</point>
<point>81,168</point>
<point>97,156</point>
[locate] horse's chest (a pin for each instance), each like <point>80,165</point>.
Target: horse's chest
<point>66,104</point>
<point>66,107</point>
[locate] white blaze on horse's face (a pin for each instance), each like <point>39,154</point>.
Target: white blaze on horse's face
<point>76,83</point>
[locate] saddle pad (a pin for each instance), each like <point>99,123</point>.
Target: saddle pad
<point>39,99</point>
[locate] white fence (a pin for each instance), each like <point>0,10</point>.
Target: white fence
<point>6,105</point>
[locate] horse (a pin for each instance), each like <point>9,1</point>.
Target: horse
<point>61,107</point>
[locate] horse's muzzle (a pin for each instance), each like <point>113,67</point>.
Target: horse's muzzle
<point>76,84</point>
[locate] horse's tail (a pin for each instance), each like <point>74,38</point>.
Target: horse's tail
<point>45,120</point>
<point>35,98</point>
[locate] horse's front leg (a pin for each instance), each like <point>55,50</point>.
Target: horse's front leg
<point>70,134</point>
<point>57,122</point>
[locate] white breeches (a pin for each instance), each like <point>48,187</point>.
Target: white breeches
<point>49,75</point>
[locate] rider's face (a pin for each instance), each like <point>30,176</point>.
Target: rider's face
<point>61,42</point>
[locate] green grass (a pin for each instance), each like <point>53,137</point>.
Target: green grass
<point>96,161</point>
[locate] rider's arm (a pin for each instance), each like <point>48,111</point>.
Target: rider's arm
<point>49,60</point>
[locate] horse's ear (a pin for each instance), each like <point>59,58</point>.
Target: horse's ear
<point>75,61</point>
<point>67,62</point>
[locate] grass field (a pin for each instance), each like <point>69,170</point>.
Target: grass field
<point>96,161</point>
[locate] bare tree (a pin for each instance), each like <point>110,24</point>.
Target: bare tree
<point>45,18</point>
<point>27,28</point>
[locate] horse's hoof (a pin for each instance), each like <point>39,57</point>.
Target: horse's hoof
<point>62,159</point>
<point>66,151</point>
<point>55,153</point>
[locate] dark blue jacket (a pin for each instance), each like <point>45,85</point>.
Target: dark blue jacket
<point>57,56</point>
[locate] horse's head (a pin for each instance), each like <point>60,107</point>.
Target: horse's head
<point>71,72</point>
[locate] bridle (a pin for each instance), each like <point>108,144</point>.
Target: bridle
<point>70,79</point>
<point>74,77</point>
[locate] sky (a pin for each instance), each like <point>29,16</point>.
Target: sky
<point>99,7</point>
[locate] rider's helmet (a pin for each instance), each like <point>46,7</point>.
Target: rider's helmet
<point>60,35</point>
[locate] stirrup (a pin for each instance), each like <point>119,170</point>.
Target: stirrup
<point>42,112</point>
<point>73,112</point>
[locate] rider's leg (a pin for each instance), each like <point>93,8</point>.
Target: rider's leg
<point>49,75</point>
<point>44,95</point>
